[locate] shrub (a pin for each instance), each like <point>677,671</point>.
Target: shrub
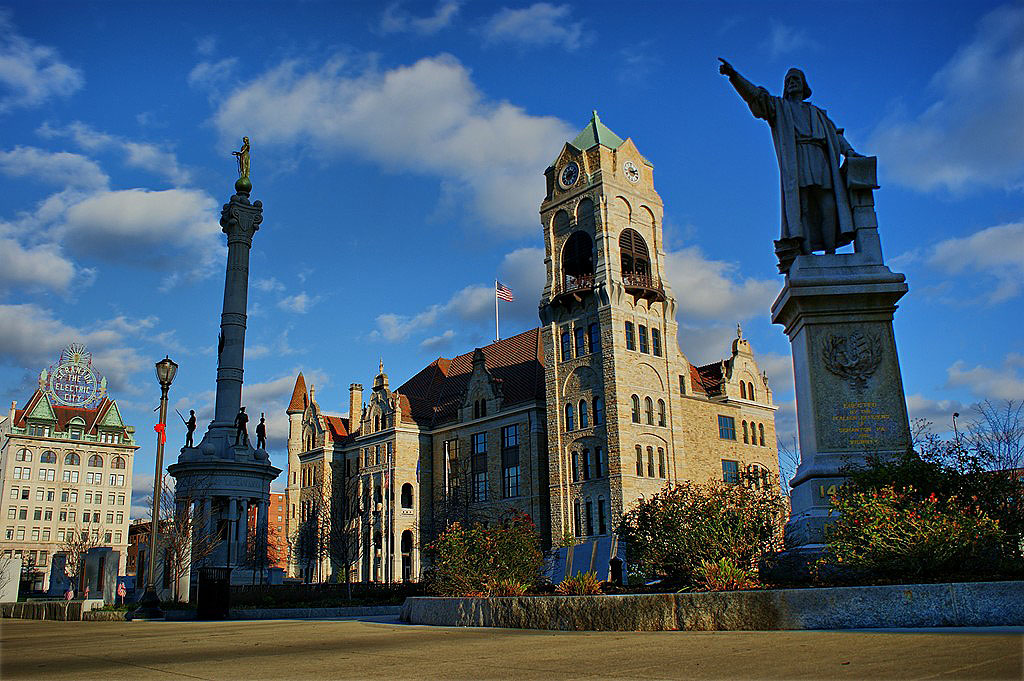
<point>583,584</point>
<point>893,533</point>
<point>507,587</point>
<point>724,575</point>
<point>474,560</point>
<point>673,532</point>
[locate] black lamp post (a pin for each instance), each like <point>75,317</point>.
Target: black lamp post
<point>149,604</point>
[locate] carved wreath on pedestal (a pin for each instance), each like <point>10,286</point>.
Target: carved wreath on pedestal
<point>853,357</point>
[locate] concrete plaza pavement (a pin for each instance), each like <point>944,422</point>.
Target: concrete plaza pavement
<point>371,648</point>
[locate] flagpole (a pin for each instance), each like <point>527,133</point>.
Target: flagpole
<point>497,336</point>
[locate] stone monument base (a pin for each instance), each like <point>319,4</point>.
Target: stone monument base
<point>837,311</point>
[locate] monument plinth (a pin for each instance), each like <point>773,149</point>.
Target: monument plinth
<point>224,476</point>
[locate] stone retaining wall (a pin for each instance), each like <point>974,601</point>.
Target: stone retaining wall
<point>973,604</point>
<point>49,610</point>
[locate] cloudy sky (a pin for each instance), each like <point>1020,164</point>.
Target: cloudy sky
<point>399,151</point>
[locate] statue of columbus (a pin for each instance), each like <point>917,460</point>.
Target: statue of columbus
<point>816,214</point>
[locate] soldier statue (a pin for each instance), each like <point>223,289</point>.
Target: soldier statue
<point>241,432</point>
<point>261,433</point>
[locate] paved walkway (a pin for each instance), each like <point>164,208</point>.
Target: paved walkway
<point>372,648</point>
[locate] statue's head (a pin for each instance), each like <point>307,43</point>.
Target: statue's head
<point>795,84</point>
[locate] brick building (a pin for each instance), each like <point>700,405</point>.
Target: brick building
<point>66,459</point>
<point>571,422</point>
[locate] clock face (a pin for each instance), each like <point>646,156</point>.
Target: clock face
<point>631,171</point>
<point>570,173</point>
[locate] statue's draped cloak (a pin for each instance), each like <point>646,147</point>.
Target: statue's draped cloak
<point>780,114</point>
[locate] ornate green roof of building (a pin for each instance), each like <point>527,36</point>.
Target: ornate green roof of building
<point>596,132</point>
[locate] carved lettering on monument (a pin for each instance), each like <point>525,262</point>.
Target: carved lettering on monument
<point>862,425</point>
<point>853,358</point>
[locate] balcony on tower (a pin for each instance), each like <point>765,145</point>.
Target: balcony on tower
<point>635,264</point>
<point>577,270</point>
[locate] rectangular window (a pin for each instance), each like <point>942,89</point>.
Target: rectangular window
<point>120,517</point>
<point>22,514</point>
<point>37,514</point>
<point>586,464</point>
<point>12,513</point>
<point>24,494</point>
<point>49,474</point>
<point>479,466</point>
<point>650,462</point>
<point>581,340</point>
<point>49,495</point>
<point>656,342</point>
<point>21,534</point>
<point>60,535</point>
<point>594,331</point>
<point>14,493</point>
<point>63,516</point>
<point>39,494</point>
<point>46,537</point>
<point>74,496</point>
<point>120,500</point>
<point>120,480</point>
<point>48,514</point>
<point>726,427</point>
<point>599,463</point>
<point>110,499</point>
<point>117,537</point>
<point>566,345</point>
<point>74,476</point>
<point>639,461</point>
<point>602,527</point>
<point>661,462</point>
<point>35,536</point>
<point>590,517</point>
<point>682,384</point>
<point>110,516</point>
<point>731,472</point>
<point>630,337</point>
<point>643,339</point>
<point>88,497</point>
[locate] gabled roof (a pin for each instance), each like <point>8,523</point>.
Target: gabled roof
<point>336,427</point>
<point>299,400</point>
<point>596,132</point>
<point>104,414</point>
<point>39,407</point>
<point>711,377</point>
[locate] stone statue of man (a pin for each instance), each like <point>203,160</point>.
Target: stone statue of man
<point>241,431</point>
<point>816,211</point>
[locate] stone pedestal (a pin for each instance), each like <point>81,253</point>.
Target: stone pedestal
<point>837,311</point>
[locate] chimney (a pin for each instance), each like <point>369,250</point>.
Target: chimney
<point>14,407</point>
<point>355,406</point>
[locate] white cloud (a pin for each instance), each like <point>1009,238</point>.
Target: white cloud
<point>142,155</point>
<point>298,303</point>
<point>31,73</point>
<point>35,266</point>
<point>440,342</point>
<point>397,20</point>
<point>785,39</point>
<point>271,397</point>
<point>472,303</point>
<point>939,412</point>
<point>208,75</point>
<point>971,133</point>
<point>167,229</point>
<point>32,337</point>
<point>270,285</point>
<point>206,45</point>
<point>427,117</point>
<point>1002,383</point>
<point>539,24</point>
<point>779,369</point>
<point>994,256</point>
<point>61,168</point>
<point>711,289</point>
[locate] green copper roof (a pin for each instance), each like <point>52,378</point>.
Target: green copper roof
<point>596,132</point>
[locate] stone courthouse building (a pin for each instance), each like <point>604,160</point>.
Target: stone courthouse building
<point>571,422</point>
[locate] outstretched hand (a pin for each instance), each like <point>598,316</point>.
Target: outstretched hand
<point>725,68</point>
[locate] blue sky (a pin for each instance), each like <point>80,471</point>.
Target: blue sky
<point>399,151</point>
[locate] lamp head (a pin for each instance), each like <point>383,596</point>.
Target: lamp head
<point>165,371</point>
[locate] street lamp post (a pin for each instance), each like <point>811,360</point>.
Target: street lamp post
<point>149,604</point>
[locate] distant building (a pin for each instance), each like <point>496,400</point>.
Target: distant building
<point>572,422</point>
<point>276,536</point>
<point>66,460</point>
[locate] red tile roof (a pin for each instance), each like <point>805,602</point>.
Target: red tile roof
<point>299,399</point>
<point>337,427</point>
<point>91,416</point>
<point>517,363</point>
<point>711,377</point>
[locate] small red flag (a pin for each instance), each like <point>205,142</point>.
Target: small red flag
<point>161,429</point>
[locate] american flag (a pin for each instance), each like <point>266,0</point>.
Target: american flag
<point>503,292</point>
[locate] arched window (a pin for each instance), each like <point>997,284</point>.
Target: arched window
<point>566,346</point>
<point>576,517</point>
<point>95,461</point>
<point>376,422</point>
<point>633,253</point>
<point>750,391</point>
<point>407,495</point>
<point>570,412</point>
<point>599,464</point>
<point>584,415</point>
<point>649,410</point>
<point>118,463</point>
<point>483,407</point>
<point>581,341</point>
<point>650,462</point>
<point>745,440</point>
<point>598,410</point>
<point>578,261</point>
<point>743,390</point>
<point>72,459</point>
<point>661,462</point>
<point>23,455</point>
<point>760,432</point>
<point>602,526</point>
<point>586,464</point>
<point>590,517</point>
<point>661,412</point>
<point>48,457</point>
<point>639,461</point>
<point>407,541</point>
<point>636,409</point>
<point>594,332</point>
<point>575,466</point>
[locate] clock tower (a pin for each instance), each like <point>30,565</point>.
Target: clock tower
<point>623,416</point>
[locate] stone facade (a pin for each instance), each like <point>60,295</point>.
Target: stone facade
<point>571,423</point>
